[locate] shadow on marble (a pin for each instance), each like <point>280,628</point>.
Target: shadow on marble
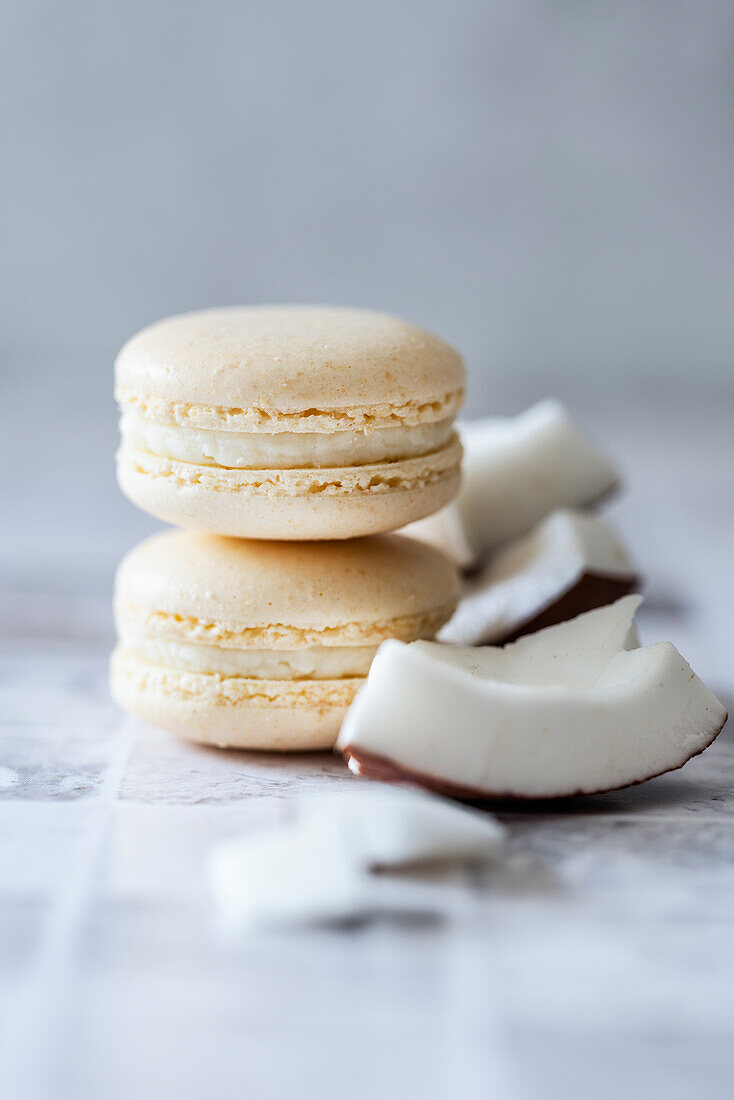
<point>164,768</point>
<point>699,847</point>
<point>649,797</point>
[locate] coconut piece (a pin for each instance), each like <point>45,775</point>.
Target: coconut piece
<point>570,563</point>
<point>515,471</point>
<point>316,867</point>
<point>288,875</point>
<point>577,708</point>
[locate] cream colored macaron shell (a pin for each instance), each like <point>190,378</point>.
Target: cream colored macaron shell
<point>287,422</point>
<point>263,645</point>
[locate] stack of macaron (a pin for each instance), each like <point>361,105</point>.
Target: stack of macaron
<point>285,442</point>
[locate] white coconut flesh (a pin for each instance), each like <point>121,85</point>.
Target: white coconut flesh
<point>570,560</point>
<point>515,471</point>
<point>576,708</point>
<point>316,866</point>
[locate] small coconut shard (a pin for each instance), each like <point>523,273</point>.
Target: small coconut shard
<point>577,708</point>
<point>516,470</point>
<point>570,563</point>
<point>316,867</point>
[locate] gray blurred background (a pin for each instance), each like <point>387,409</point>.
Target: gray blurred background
<point>548,184</point>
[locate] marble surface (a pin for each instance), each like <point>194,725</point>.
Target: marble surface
<point>595,961</point>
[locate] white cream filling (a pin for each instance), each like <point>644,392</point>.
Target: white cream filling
<point>281,450</point>
<point>316,663</point>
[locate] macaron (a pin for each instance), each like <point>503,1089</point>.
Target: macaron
<point>263,645</point>
<point>288,422</point>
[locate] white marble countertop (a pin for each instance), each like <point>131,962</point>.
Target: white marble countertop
<point>597,961</point>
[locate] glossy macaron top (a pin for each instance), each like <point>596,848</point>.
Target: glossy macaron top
<point>192,585</point>
<point>289,368</point>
